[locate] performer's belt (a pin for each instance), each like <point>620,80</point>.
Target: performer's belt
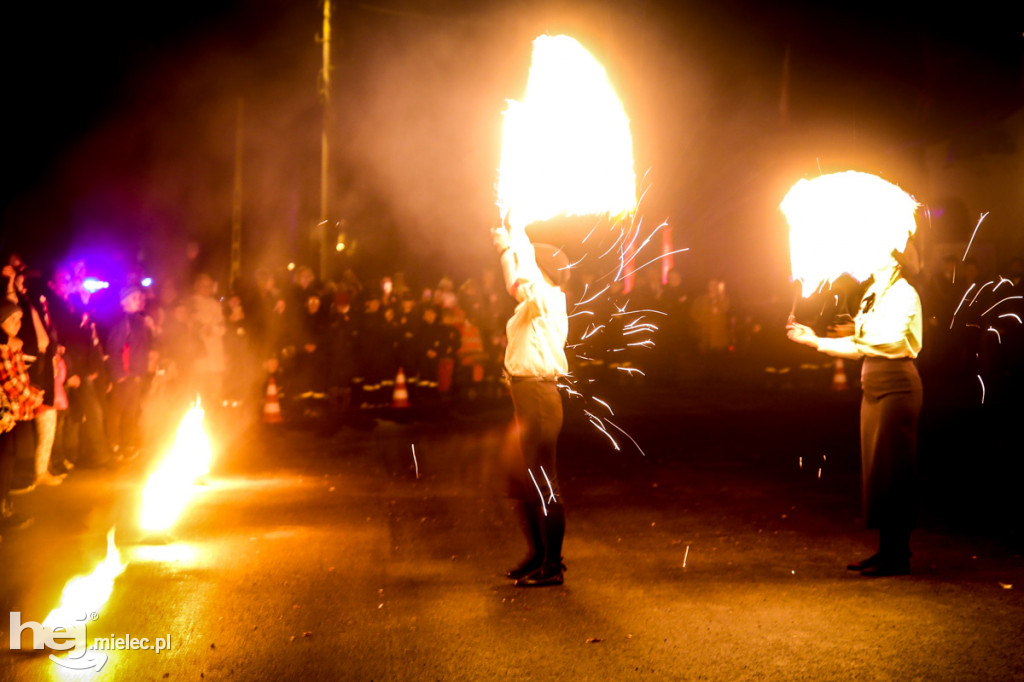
<point>519,380</point>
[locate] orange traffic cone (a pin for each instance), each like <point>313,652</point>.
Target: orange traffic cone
<point>271,406</point>
<point>400,398</point>
<point>839,377</point>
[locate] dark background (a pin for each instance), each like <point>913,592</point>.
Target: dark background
<point>121,118</point>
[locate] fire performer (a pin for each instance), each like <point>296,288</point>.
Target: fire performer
<point>534,361</point>
<point>887,335</point>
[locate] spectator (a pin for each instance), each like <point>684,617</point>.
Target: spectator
<point>341,336</point>
<point>208,325</point>
<point>39,352</point>
<point>129,344</point>
<point>433,342</point>
<point>84,439</point>
<point>22,400</point>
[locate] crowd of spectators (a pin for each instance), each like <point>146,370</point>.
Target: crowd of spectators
<point>89,376</point>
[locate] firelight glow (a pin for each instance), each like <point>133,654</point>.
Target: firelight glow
<point>566,149</point>
<point>85,594</point>
<point>847,222</point>
<point>170,487</point>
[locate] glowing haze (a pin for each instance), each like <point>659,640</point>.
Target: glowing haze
<point>566,148</point>
<point>847,222</point>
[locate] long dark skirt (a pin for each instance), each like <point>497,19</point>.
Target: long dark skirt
<point>889,414</point>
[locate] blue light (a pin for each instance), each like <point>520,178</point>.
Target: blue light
<point>92,285</point>
<point>147,282</point>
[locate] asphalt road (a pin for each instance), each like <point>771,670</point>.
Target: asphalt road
<point>717,554</point>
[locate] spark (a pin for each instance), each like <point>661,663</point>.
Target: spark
<point>593,297</point>
<point>582,312</point>
<point>596,421</point>
<point>622,255</point>
<point>1014,316</point>
<point>607,406</point>
<point>543,506</point>
<point>982,389</point>
<point>631,369</point>
<point>646,242</point>
<point>569,389</point>
<point>414,462</point>
<point>638,330</point>
<point>972,236</point>
<point>627,436</point>
<point>686,554</point>
<point>589,233</point>
<point>1008,298</point>
<point>570,266</point>
<point>622,233</point>
<point>978,292</point>
<point>591,332</point>
<point>584,357</point>
<point>819,473</point>
<point>642,310</point>
<point>801,462</point>
<point>551,488</point>
<point>646,343</point>
<point>655,260</point>
<point>961,304</point>
<point>1002,281</point>
<point>996,332</point>
<point>635,325</point>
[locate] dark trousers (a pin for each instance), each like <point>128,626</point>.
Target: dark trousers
<point>124,413</point>
<point>21,447</point>
<point>533,478</point>
<point>6,469</point>
<point>86,424</point>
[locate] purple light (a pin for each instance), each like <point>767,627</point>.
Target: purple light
<point>92,285</point>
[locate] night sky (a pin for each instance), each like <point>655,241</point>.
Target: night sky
<point>121,118</point>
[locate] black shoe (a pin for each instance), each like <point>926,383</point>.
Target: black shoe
<point>886,569</point>
<point>870,562</point>
<point>524,569</point>
<point>542,577</point>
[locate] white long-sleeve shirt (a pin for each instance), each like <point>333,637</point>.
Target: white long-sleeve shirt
<point>539,326</point>
<point>887,326</point>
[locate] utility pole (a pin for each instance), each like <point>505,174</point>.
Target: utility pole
<point>236,205</point>
<point>325,147</point>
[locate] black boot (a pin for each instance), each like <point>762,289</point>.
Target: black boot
<point>893,554</point>
<point>550,572</point>
<point>532,519</point>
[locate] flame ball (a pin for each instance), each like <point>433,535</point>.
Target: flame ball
<point>566,149</point>
<point>847,222</point>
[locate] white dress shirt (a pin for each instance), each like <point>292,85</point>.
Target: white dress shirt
<point>887,326</point>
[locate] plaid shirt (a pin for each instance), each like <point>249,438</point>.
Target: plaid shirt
<point>24,398</point>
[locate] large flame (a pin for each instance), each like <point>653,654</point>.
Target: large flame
<point>85,594</point>
<point>847,222</point>
<point>566,148</point>
<point>170,487</point>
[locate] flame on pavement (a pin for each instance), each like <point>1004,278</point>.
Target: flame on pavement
<point>86,594</point>
<point>170,487</point>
